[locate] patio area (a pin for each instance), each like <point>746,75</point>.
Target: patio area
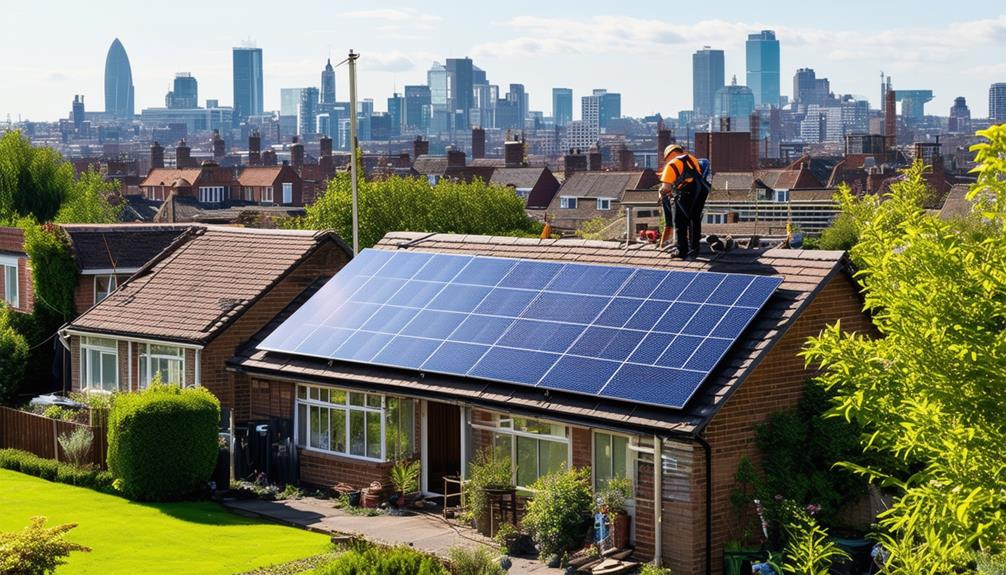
<point>424,531</point>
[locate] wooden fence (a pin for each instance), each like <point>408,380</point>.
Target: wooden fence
<point>40,435</point>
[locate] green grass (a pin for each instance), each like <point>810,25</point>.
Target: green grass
<point>126,537</point>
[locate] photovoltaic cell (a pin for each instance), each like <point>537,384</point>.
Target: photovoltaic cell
<point>638,335</point>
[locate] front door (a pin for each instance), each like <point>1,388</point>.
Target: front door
<point>443,443</point>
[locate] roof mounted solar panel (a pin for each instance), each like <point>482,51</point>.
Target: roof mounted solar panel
<point>631,334</point>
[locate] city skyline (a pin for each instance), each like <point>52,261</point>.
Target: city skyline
<point>532,45</point>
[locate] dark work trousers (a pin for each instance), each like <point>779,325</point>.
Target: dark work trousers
<point>689,202</point>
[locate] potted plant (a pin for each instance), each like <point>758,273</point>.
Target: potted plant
<point>611,502</point>
<point>558,516</point>
<point>405,478</point>
<point>489,472</point>
<point>372,495</point>
<point>508,538</point>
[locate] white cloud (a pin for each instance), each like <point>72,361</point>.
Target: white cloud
<point>391,15</point>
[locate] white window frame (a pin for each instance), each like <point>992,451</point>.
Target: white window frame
<point>287,192</point>
<point>630,457</point>
<point>101,347</point>
<point>567,202</point>
<point>322,391</point>
<point>147,375</point>
<point>113,284</point>
<point>211,194</point>
<point>8,263</point>
<point>249,193</point>
<point>604,204</point>
<point>267,194</point>
<point>782,196</point>
<point>501,428</point>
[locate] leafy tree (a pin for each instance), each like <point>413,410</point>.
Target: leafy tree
<point>33,181</point>
<point>930,391</point>
<point>412,204</point>
<point>13,355</point>
<point>843,233</point>
<point>90,201</point>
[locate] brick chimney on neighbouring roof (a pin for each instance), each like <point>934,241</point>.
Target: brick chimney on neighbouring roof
<point>626,159</point>
<point>296,153</point>
<point>478,143</point>
<point>664,139</point>
<point>420,147</point>
<point>455,158</point>
<point>183,155</point>
<point>513,154</point>
<point>325,146</point>
<point>156,156</point>
<point>403,160</point>
<point>573,162</point>
<point>269,158</point>
<point>254,149</point>
<point>594,159</point>
<point>755,123</point>
<point>218,145</point>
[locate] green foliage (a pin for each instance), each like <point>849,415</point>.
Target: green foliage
<point>379,561</point>
<point>930,391</point>
<point>809,550</point>
<point>412,204</point>
<point>36,549</point>
<point>474,561</point>
<point>489,469</point>
<point>59,412</point>
<point>89,201</point>
<point>558,514</point>
<point>799,450</point>
<point>988,564</point>
<point>405,476</point>
<point>649,569</point>
<point>51,470</point>
<point>162,442</point>
<point>611,499</point>
<point>844,232</point>
<point>593,228</point>
<point>77,445</point>
<point>54,273</point>
<point>33,181</point>
<point>505,535</point>
<point>13,355</point>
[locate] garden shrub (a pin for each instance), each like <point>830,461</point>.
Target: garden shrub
<point>380,561</point>
<point>558,516</point>
<point>162,442</point>
<point>489,469</point>
<point>36,549</point>
<point>51,470</point>
<point>13,355</point>
<point>474,561</point>
<point>77,445</point>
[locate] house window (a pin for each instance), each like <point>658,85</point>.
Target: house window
<point>604,203</point>
<point>211,194</point>
<point>267,194</point>
<point>103,286</point>
<point>248,193</point>
<point>166,361</point>
<point>567,202</point>
<point>612,458</point>
<point>715,218</point>
<point>287,192</point>
<point>782,195</point>
<point>99,364</point>
<point>535,447</point>
<point>11,293</point>
<point>363,425</point>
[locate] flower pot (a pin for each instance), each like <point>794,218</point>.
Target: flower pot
<point>402,501</point>
<point>371,499</point>
<point>859,556</point>
<point>620,530</point>
<point>354,498</point>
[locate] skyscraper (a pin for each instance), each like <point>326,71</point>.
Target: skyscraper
<point>804,86</point>
<point>518,96</point>
<point>417,108</point>
<point>185,94</point>
<point>328,84</point>
<point>562,106</point>
<point>997,103</point>
<point>118,82</point>
<point>436,79</point>
<point>247,83</point>
<point>960,117</point>
<point>735,102</point>
<point>459,90</point>
<point>609,106</point>
<point>763,67</point>
<point>395,108</point>
<point>307,112</point>
<point>708,77</point>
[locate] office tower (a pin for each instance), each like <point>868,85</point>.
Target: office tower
<point>960,117</point>
<point>855,116</point>
<point>417,108</point>
<point>609,106</point>
<point>562,106</point>
<point>436,79</point>
<point>997,103</point>
<point>590,110</point>
<point>118,82</point>
<point>518,97</point>
<point>78,112</point>
<point>328,84</point>
<point>247,73</point>
<point>735,102</point>
<point>707,78</point>
<point>763,67</point>
<point>307,112</point>
<point>395,104</point>
<point>805,86</point>
<point>365,107</point>
<point>459,91</point>
<point>185,94</point>
<point>289,101</point>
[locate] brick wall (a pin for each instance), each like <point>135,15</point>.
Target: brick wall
<point>325,470</point>
<point>12,244</point>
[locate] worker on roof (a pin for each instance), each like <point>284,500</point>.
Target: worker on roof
<point>683,193</point>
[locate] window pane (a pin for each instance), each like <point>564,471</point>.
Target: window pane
<point>503,445</point>
<point>84,373</point>
<point>602,459</point>
<point>374,435</point>
<point>166,350</point>
<point>552,456</point>
<point>313,392</point>
<point>301,392</point>
<point>94,369</point>
<point>408,428</point>
<point>527,461</point>
<point>301,424</point>
<point>323,395</point>
<point>339,430</point>
<point>356,433</point>
<point>339,396</point>
<point>109,372</point>
<point>619,455</point>
<point>319,427</point>
<point>10,285</point>
<point>392,431</point>
<point>355,398</point>
<point>373,400</point>
<point>143,372</point>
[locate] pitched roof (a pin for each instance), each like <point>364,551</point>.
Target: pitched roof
<point>520,178</point>
<point>139,209</point>
<point>956,203</point>
<point>259,176</point>
<point>119,246</point>
<point>803,273</point>
<point>213,275</point>
<point>427,165</point>
<point>606,184</point>
<point>469,173</point>
<point>168,176</point>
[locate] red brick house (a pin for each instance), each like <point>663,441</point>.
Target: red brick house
<point>183,314</point>
<point>208,184</point>
<point>271,185</point>
<point>537,186</point>
<point>15,272</point>
<point>587,195</point>
<point>443,420</point>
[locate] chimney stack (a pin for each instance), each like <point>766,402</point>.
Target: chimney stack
<point>664,139</point>
<point>403,160</point>
<point>254,149</point>
<point>218,145</point>
<point>573,162</point>
<point>325,146</point>
<point>420,147</point>
<point>296,153</point>
<point>455,158</point>
<point>594,159</point>
<point>513,154</point>
<point>724,123</point>
<point>755,122</point>
<point>626,159</point>
<point>890,120</point>
<point>478,143</point>
<point>183,157</point>
<point>156,155</point>
<point>269,158</point>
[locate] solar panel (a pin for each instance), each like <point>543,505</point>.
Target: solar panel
<point>640,335</point>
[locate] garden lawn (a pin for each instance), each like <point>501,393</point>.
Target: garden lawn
<point>126,537</point>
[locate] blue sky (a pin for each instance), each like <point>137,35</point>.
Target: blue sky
<point>50,51</point>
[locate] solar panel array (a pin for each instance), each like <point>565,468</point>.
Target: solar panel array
<point>634,334</point>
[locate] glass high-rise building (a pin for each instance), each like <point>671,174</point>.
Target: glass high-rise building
<point>307,112</point>
<point>708,76</point>
<point>417,108</point>
<point>997,103</point>
<point>185,93</point>
<point>395,104</point>
<point>763,67</point>
<point>328,84</point>
<point>436,79</point>
<point>736,103</point>
<point>459,90</point>
<point>247,74</point>
<point>562,106</point>
<point>609,106</point>
<point>118,82</point>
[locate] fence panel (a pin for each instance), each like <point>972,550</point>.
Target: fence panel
<point>40,435</point>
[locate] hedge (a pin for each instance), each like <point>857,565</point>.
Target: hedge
<point>52,470</point>
<point>162,442</point>
<point>382,561</point>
